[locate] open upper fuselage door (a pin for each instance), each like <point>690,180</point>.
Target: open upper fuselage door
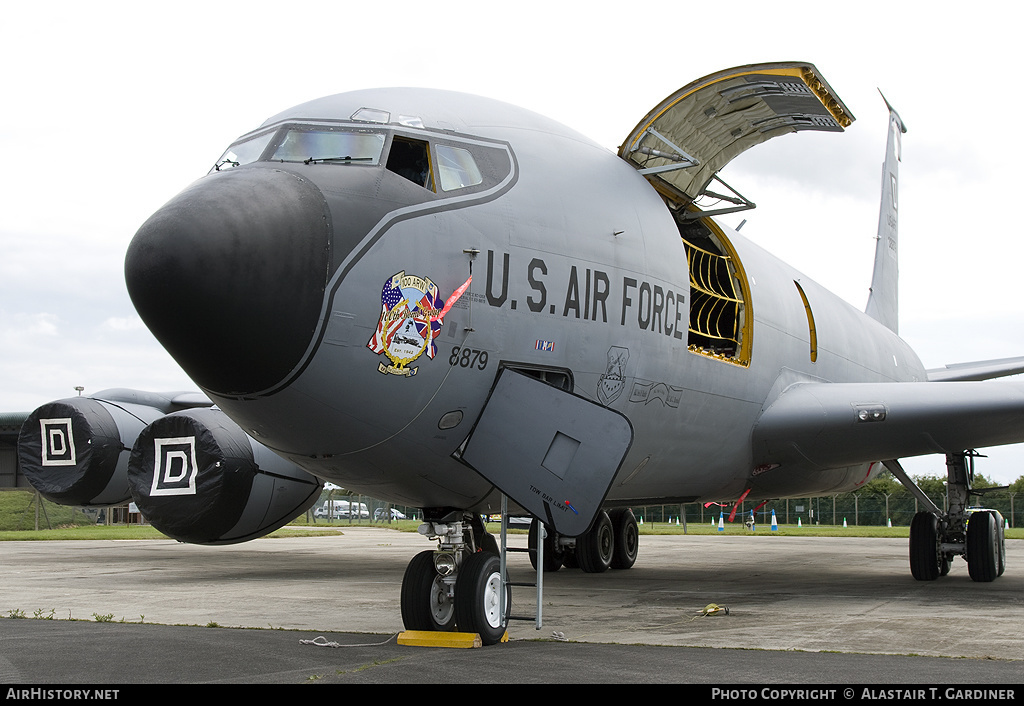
<point>682,143</point>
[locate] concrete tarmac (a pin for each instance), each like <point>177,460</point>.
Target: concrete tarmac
<point>801,610</point>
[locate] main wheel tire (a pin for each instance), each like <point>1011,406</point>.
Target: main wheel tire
<point>925,562</point>
<point>426,604</point>
<point>1001,551</point>
<point>983,550</point>
<point>478,597</point>
<point>595,548</point>
<point>553,553</point>
<point>627,538</point>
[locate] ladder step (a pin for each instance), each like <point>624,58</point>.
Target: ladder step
<point>520,583</point>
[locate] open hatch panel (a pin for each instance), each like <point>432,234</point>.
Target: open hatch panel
<point>686,139</point>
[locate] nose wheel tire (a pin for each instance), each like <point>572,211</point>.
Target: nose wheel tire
<point>480,606</point>
<point>426,604</point>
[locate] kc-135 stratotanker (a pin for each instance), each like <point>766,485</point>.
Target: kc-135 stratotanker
<point>443,300</point>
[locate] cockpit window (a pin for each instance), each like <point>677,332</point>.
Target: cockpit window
<point>456,168</point>
<point>324,145</point>
<point>411,159</point>
<point>244,152</point>
<point>372,115</point>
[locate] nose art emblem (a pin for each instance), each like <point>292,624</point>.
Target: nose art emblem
<point>411,314</point>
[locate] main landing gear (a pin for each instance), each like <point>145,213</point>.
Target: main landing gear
<point>611,543</point>
<point>936,537</point>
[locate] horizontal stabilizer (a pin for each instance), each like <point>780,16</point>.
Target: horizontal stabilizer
<point>978,370</point>
<point>815,426</point>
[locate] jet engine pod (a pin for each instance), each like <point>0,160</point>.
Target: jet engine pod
<point>198,478</point>
<point>71,450</point>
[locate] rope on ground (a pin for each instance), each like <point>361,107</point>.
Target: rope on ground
<point>321,641</point>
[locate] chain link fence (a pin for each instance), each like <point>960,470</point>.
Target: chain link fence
<point>859,508</point>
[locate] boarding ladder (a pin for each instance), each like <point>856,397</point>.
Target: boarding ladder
<point>538,584</point>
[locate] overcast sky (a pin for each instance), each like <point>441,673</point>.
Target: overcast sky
<point>109,109</point>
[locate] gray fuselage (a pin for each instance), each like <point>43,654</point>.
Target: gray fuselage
<point>579,275</point>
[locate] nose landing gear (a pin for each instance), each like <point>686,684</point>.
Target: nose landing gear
<point>458,585</point>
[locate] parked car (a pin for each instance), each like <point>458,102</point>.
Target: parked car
<point>342,510</point>
<point>379,514</point>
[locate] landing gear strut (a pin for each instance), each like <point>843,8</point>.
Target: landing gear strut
<point>936,536</point>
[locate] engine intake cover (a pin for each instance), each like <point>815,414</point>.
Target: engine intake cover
<point>198,478</point>
<point>71,450</point>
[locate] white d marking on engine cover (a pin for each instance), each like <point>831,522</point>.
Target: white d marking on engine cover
<point>58,442</point>
<point>174,466</point>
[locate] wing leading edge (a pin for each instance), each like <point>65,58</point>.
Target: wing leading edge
<point>981,370</point>
<point>815,426</point>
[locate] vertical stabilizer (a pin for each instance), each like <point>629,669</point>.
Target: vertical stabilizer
<point>883,302</point>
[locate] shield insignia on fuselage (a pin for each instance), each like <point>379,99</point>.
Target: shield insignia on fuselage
<point>612,380</point>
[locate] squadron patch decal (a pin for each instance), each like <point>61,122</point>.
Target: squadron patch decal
<point>411,316</point>
<point>613,379</point>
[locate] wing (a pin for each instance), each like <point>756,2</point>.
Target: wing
<point>814,426</point>
<point>980,370</point>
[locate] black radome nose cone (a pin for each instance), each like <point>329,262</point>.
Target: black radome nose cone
<point>230,275</point>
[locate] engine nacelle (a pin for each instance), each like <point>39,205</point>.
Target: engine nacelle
<point>198,478</point>
<point>75,451</point>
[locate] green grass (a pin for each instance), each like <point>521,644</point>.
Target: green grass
<point>18,512</point>
<point>17,519</point>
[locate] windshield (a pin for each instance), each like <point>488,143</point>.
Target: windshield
<point>315,144</point>
<point>244,152</point>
